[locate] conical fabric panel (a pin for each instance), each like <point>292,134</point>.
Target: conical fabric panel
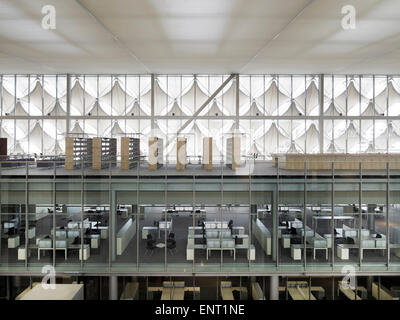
<point>214,110</point>
<point>309,100</point>
<point>293,110</point>
<point>271,137</point>
<point>333,110</point>
<point>57,110</point>
<point>19,110</point>
<point>35,139</point>
<point>293,148</point>
<point>353,139</point>
<point>370,110</point>
<point>332,148</point>
<point>272,99</point>
<point>8,101</point>
<point>36,102</point>
<point>176,110</point>
<point>394,100</point>
<point>77,129</point>
<point>116,99</point>
<point>391,135</point>
<point>228,99</point>
<point>18,149</point>
<point>80,100</point>
<point>135,109</point>
<point>160,99</point>
<point>254,149</point>
<point>393,96</point>
<point>97,110</point>
<point>353,100</point>
<point>309,141</point>
<point>253,110</point>
<point>370,149</point>
<point>194,98</point>
<point>116,129</point>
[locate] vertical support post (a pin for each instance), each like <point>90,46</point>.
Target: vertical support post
<point>237,101</point>
<point>387,213</point>
<point>27,219</point>
<point>68,103</point>
<point>305,215</point>
<point>321,113</point>
<point>112,227</point>
<point>113,288</point>
<point>275,218</point>
<point>332,216</point>
<point>152,102</point>
<point>360,213</point>
<point>274,288</point>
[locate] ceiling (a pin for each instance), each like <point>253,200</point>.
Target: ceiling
<point>200,36</point>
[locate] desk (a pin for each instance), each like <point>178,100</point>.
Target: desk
<point>192,238</point>
<point>173,293</point>
<point>327,217</point>
<point>295,251</point>
<point>251,251</point>
<point>222,249</point>
<point>146,231</point>
<point>166,226</point>
<point>13,242</point>
<point>44,249</point>
<point>348,292</point>
<point>160,245</point>
<point>190,250</point>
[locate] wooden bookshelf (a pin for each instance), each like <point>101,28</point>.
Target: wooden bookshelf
<point>207,153</point>
<point>104,153</point>
<point>155,157</point>
<point>233,152</point>
<point>3,148</point>
<point>78,151</point>
<point>181,153</point>
<point>343,161</point>
<point>130,152</point>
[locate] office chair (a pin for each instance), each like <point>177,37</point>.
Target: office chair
<point>149,237</point>
<point>171,245</point>
<point>171,235</point>
<point>150,247</point>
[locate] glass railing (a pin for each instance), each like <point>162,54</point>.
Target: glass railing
<point>289,214</point>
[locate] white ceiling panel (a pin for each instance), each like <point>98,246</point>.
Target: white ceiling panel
<point>192,36</point>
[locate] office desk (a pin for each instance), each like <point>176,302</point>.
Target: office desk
<point>251,250</point>
<point>327,217</point>
<point>44,249</point>
<point>146,230</point>
<point>342,250</point>
<point>348,292</point>
<point>190,250</point>
<point>13,242</point>
<point>233,249</point>
<point>192,238</point>
<point>227,294</point>
<point>295,251</point>
<point>166,226</point>
<point>173,293</point>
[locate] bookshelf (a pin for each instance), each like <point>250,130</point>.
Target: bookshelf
<point>78,150</point>
<point>155,157</point>
<point>104,153</point>
<point>181,153</point>
<point>130,152</point>
<point>207,153</point>
<point>233,152</point>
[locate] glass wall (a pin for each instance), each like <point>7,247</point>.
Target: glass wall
<point>264,204</point>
